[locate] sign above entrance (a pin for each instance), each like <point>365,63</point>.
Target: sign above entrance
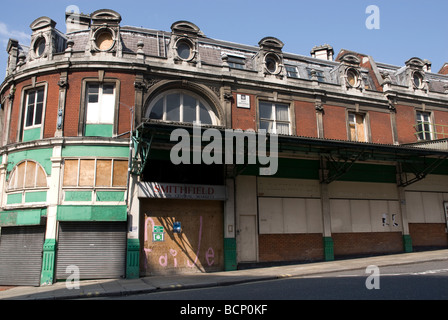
<point>158,190</point>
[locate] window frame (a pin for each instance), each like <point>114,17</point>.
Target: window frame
<point>12,175</point>
<point>290,73</point>
<point>365,126</point>
<point>151,104</point>
<point>423,135</point>
<point>94,184</point>
<point>23,110</point>
<point>36,102</point>
<point>273,119</point>
<point>84,101</point>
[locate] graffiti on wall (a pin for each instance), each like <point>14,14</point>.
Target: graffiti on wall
<point>176,251</point>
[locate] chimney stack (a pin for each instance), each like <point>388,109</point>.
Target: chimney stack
<point>324,52</point>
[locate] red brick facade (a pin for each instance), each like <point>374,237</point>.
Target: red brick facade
<point>290,247</point>
<point>428,235</point>
<point>350,244</point>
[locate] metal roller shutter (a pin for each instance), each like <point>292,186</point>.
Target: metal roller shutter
<point>21,255</point>
<point>98,249</point>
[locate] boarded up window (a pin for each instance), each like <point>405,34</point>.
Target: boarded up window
<point>27,175</point>
<point>120,173</point>
<point>86,173</point>
<point>95,173</point>
<point>103,173</point>
<point>357,127</point>
<point>71,173</point>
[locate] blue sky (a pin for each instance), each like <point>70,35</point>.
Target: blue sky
<point>408,28</point>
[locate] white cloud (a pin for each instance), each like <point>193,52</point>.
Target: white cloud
<point>6,34</point>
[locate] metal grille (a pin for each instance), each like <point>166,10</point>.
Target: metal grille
<point>21,255</point>
<point>97,249</point>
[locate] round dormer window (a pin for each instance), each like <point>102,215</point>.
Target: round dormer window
<point>352,78</point>
<point>104,40</point>
<point>272,63</point>
<point>184,49</point>
<point>39,47</point>
<point>417,79</point>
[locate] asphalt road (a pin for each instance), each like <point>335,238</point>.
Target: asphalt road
<point>423,281</point>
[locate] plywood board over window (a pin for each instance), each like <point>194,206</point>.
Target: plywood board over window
<point>100,173</point>
<point>103,173</point>
<point>357,127</point>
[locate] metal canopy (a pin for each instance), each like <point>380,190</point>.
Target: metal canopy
<point>340,155</point>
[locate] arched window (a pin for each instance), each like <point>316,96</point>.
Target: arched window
<point>27,175</point>
<point>181,106</point>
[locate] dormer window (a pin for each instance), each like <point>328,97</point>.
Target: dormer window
<point>292,72</point>
<point>417,79</point>
<point>352,78</point>
<point>184,49</point>
<point>104,40</point>
<point>39,47</point>
<point>272,63</point>
<point>236,62</point>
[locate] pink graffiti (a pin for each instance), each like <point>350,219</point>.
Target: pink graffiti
<point>199,245</point>
<point>210,257</point>
<point>163,259</point>
<point>147,250</point>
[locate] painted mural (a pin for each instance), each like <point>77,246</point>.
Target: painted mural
<point>182,236</point>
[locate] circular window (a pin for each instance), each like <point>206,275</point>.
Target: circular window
<point>39,47</point>
<point>418,80</point>
<point>184,50</point>
<point>352,77</point>
<point>104,40</point>
<point>271,63</point>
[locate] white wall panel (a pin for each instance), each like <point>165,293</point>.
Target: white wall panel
<point>360,216</point>
<point>294,215</point>
<point>365,216</point>
<point>314,216</point>
<point>340,216</point>
<point>289,215</point>
<point>425,207</point>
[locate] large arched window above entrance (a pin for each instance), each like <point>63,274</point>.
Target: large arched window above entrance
<point>181,106</point>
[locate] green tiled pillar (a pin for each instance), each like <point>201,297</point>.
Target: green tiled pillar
<point>133,259</point>
<point>407,243</point>
<point>48,262</point>
<point>230,263</point>
<point>328,249</point>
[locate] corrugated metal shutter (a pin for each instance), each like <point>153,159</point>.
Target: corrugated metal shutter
<point>98,249</point>
<point>21,255</point>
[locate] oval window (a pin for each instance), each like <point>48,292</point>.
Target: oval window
<point>40,47</point>
<point>184,50</point>
<point>418,80</point>
<point>104,40</point>
<point>271,63</point>
<point>352,78</point>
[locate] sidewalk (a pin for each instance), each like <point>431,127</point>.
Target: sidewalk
<point>122,287</point>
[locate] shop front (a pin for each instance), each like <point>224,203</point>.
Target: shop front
<point>182,228</point>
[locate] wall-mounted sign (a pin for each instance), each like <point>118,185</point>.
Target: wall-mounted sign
<point>181,191</point>
<point>158,237</point>
<point>243,101</point>
<point>158,234</point>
